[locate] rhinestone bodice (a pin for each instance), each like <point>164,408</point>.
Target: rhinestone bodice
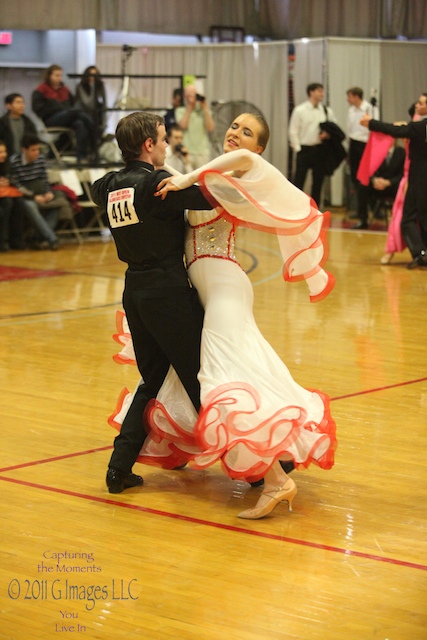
<point>212,239</point>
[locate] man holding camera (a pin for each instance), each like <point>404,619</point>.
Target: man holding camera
<point>196,121</point>
<point>177,155</point>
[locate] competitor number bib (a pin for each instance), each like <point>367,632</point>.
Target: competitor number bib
<point>120,208</point>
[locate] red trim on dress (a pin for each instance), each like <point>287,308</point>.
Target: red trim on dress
<point>298,227</point>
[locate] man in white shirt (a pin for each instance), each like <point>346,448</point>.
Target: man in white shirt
<point>177,155</point>
<point>358,137</point>
<point>306,139</point>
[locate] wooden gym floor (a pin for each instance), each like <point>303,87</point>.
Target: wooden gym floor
<point>171,559</point>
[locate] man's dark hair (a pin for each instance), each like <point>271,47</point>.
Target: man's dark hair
<point>11,97</point>
<point>411,109</point>
<point>133,130</point>
<point>173,127</point>
<point>177,92</point>
<point>313,86</point>
<point>356,91</point>
<point>30,140</point>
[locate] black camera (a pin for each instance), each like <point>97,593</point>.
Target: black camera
<point>180,149</point>
<point>200,98</point>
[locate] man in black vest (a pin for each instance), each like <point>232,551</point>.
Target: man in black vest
<point>163,310</point>
<point>414,216</point>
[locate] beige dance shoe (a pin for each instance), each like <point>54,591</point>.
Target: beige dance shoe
<point>287,492</point>
<point>387,258</point>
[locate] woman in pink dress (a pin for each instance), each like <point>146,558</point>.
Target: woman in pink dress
<point>395,242</point>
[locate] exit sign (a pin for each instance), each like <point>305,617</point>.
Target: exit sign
<point>5,37</point>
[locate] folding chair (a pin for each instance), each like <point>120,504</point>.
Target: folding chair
<point>51,136</point>
<point>79,182</point>
<point>67,215</point>
<point>67,222</point>
<point>87,176</point>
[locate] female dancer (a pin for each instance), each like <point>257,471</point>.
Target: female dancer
<point>395,242</point>
<point>253,412</point>
<point>91,97</point>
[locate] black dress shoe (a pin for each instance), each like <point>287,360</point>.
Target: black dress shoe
<point>258,483</point>
<point>117,481</point>
<point>360,225</point>
<point>418,261</point>
<point>287,466</point>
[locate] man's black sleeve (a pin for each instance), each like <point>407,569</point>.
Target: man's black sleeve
<point>411,130</point>
<point>190,198</point>
<point>99,188</point>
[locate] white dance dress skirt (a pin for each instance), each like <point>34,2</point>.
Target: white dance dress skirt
<point>253,412</point>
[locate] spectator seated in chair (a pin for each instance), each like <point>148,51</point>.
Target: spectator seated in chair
<point>91,98</point>
<point>385,181</point>
<point>29,174</point>
<point>53,103</point>
<point>14,125</point>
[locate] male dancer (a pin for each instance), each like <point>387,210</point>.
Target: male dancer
<point>414,216</point>
<point>163,311</point>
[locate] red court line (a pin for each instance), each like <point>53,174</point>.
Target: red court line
<point>218,525</point>
<point>23,273</point>
<point>390,386</point>
<point>63,457</point>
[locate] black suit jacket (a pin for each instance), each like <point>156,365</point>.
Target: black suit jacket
<point>417,134</point>
<point>334,150</point>
<point>393,171</point>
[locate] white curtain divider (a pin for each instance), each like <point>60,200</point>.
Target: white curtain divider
<point>403,77</point>
<point>255,73</point>
<point>309,66</point>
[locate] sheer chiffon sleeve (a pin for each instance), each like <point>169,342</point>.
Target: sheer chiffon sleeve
<point>264,199</point>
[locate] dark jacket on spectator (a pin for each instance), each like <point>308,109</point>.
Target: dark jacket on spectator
<point>334,150</point>
<point>47,101</point>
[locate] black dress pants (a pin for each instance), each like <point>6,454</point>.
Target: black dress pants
<point>165,331</point>
<point>311,157</point>
<point>414,216</point>
<point>355,153</point>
